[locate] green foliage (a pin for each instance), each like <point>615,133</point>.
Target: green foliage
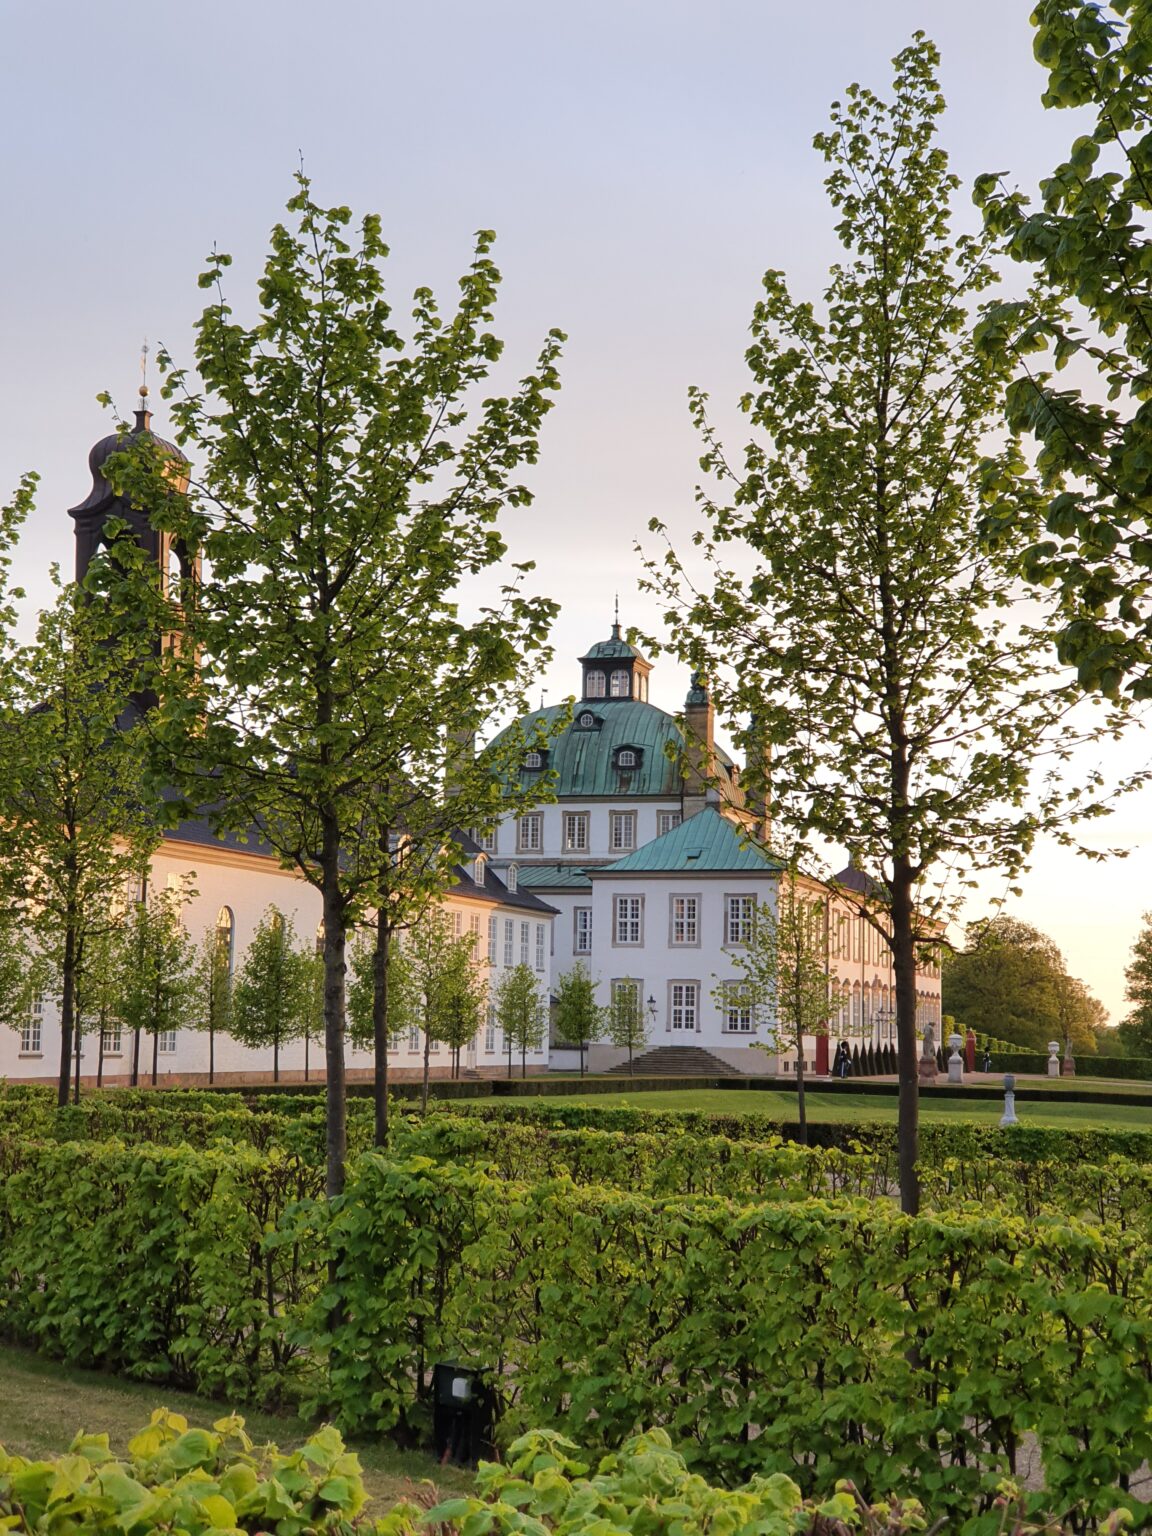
<point>1010,979</point>
<point>850,621</point>
<point>521,1013</point>
<point>1083,505</point>
<point>273,997</point>
<point>1137,1023</point>
<point>78,824</point>
<point>578,1018</point>
<point>352,482</point>
<point>156,981</point>
<point>627,1025</point>
<point>197,1481</point>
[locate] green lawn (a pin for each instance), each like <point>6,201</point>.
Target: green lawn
<point>841,1107</point>
<point>43,1405</point>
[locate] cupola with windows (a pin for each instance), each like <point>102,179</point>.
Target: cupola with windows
<point>614,669</point>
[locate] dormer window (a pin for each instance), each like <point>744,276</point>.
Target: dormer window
<point>619,688</point>
<point>594,685</point>
<point>512,877</point>
<point>587,721</point>
<point>628,758</point>
<point>478,868</point>
<point>533,760</point>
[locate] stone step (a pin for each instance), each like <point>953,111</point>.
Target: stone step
<point>677,1061</point>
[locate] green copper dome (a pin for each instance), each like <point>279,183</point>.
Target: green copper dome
<point>591,759</point>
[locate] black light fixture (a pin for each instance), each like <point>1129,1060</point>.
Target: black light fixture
<point>652,1008</point>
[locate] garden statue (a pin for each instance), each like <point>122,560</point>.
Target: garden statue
<point>928,1058</point>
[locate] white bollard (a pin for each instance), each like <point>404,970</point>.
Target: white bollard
<point>1009,1115</point>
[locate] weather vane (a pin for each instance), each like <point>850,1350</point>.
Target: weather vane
<point>144,370</point>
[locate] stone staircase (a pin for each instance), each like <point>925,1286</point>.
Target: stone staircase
<point>676,1061</point>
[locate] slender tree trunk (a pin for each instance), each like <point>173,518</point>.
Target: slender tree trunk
<point>276,1052</point>
<point>136,1057</point>
<point>904,966</point>
<point>524,1057</point>
<point>211,1053</point>
<point>801,1105</point>
<point>100,1053</point>
<point>380,958</point>
<point>307,1043</point>
<point>67,1013</point>
<point>334,972</point>
<point>508,1038</point>
<point>427,1066</point>
<point>582,1044</point>
<point>155,1056</point>
<point>76,1084</point>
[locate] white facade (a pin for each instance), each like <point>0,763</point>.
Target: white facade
<point>237,886</point>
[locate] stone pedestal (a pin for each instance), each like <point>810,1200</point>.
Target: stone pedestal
<point>955,1064</point>
<point>1009,1115</point>
<point>1068,1067</point>
<point>1053,1058</point>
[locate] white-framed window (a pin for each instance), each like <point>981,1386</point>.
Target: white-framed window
<point>493,936</point>
<point>586,720</point>
<point>666,821</point>
<point>621,831</point>
<point>479,866</point>
<point>532,760</point>
<point>684,920</point>
<point>457,924</point>
<point>485,841</point>
<point>490,1029</point>
<point>530,833</point>
<point>112,1040</point>
<point>594,688</point>
<point>512,877</point>
<point>32,1029</point>
<point>739,919</point>
<point>632,989</point>
<point>684,1005</point>
<point>474,930</point>
<point>582,931</point>
<point>541,939</point>
<point>628,920</point>
<point>626,759</point>
<point>525,942</point>
<point>739,1012</point>
<point>619,684</point>
<point>575,831</point>
<point>413,1037</point>
<point>509,942</point>
<point>166,1042</point>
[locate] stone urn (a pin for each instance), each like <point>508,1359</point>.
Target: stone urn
<point>955,1061</point>
<point>1053,1058</point>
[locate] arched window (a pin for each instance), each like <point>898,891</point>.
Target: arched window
<point>512,876</point>
<point>532,760</point>
<point>595,687</point>
<point>627,758</point>
<point>226,936</point>
<point>478,869</point>
<point>619,686</point>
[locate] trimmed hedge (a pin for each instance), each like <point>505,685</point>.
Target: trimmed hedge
<point>820,1340</point>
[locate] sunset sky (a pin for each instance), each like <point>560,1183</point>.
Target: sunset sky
<point>642,161</point>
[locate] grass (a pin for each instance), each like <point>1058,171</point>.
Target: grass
<point>43,1405</point>
<point>856,1108</point>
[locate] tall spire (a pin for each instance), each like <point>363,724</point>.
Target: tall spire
<point>616,620</point>
<point>143,414</point>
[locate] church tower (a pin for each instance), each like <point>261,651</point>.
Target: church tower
<point>102,505</point>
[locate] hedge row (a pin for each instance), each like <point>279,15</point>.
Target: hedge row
<point>201,1482</point>
<point>818,1340</point>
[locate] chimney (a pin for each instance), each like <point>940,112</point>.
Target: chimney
<point>757,778</point>
<point>699,748</point>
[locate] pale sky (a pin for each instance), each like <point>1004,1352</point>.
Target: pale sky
<point>642,161</point>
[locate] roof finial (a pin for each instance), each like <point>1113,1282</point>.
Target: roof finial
<point>616,621</point>
<point>143,415</point>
